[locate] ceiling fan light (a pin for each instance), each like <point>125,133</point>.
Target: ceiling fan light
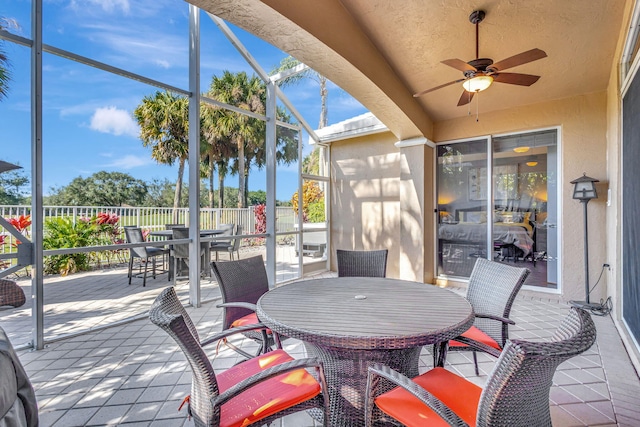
<point>521,149</point>
<point>477,83</point>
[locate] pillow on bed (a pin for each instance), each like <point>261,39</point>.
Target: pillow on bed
<point>512,217</point>
<point>476,217</point>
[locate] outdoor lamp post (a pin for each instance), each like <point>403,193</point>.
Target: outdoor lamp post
<point>584,189</point>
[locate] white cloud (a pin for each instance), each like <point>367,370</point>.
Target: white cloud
<point>162,63</point>
<point>114,121</point>
<point>108,6</point>
<point>130,161</point>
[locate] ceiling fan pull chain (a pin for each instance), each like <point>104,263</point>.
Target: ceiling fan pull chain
<point>469,104</point>
<point>478,106</point>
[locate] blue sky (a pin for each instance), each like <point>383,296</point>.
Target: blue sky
<point>87,113</point>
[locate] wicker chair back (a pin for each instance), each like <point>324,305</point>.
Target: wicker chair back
<point>362,263</point>
<point>242,280</point>
<point>493,287</point>
<point>517,391</point>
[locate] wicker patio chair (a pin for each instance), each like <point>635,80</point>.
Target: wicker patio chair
<point>492,288</point>
<point>516,393</point>
<point>180,252</point>
<point>362,263</point>
<point>242,283</point>
<point>11,294</point>
<point>254,392</point>
<point>145,254</point>
<point>233,246</point>
<point>18,404</point>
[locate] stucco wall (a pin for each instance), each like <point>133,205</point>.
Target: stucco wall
<point>583,148</point>
<point>365,200</point>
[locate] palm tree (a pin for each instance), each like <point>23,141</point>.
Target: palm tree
<point>287,63</point>
<point>164,126</point>
<point>290,62</point>
<point>5,74</point>
<point>217,150</point>
<point>239,90</point>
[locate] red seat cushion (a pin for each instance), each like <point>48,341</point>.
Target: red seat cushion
<point>270,396</point>
<point>249,319</point>
<point>460,395</point>
<point>476,335</point>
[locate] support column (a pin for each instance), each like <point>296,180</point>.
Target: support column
<point>194,157</point>
<point>417,226</point>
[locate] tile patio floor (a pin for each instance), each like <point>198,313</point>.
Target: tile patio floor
<point>133,374</point>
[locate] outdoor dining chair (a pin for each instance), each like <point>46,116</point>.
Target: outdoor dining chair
<point>144,253</point>
<point>492,288</point>
<point>180,251</point>
<point>227,230</point>
<point>254,392</point>
<point>242,283</point>
<point>11,294</point>
<point>516,393</point>
<point>172,226</point>
<point>231,248</point>
<point>362,263</point>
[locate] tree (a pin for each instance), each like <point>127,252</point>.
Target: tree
<point>312,202</point>
<point>11,184</point>
<point>290,62</point>
<point>160,193</point>
<point>164,126</point>
<point>247,93</point>
<point>5,73</point>
<point>101,189</point>
<point>217,150</point>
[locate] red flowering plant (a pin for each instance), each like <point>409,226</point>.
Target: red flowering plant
<point>21,224</point>
<point>260,213</point>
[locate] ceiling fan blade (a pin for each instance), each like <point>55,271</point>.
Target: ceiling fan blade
<point>465,98</point>
<point>459,64</point>
<point>415,95</point>
<point>519,59</point>
<point>515,78</point>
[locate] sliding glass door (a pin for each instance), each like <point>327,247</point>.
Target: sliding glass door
<point>504,209</point>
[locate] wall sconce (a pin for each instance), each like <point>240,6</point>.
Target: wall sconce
<point>584,189</point>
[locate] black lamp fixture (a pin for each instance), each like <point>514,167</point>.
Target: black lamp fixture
<point>584,189</point>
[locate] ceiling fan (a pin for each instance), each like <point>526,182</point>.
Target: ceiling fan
<point>479,73</point>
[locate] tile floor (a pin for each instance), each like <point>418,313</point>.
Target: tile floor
<point>135,375</point>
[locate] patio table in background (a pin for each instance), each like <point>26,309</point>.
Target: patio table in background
<point>352,322</point>
<point>168,234</point>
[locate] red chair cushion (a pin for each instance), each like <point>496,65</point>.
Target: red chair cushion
<point>268,397</point>
<point>476,335</point>
<point>460,395</point>
<point>249,319</point>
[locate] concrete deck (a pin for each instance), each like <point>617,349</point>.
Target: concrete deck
<point>134,374</point>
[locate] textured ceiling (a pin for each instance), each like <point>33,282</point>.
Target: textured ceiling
<point>382,51</point>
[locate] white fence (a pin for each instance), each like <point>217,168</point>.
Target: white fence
<point>152,218</point>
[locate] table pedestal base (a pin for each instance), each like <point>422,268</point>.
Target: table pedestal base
<point>346,374</point>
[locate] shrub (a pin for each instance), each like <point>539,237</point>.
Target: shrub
<point>60,233</point>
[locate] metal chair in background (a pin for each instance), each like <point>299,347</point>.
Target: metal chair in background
<point>143,253</point>
<point>233,246</point>
<point>180,252</point>
<point>222,244</point>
